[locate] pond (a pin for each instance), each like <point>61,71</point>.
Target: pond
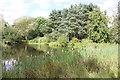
<point>36,61</point>
<point>24,60</point>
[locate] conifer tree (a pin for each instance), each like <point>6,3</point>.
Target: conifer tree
<point>72,21</point>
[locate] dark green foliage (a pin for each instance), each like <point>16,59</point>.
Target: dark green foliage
<point>72,21</point>
<point>98,30</point>
<point>11,34</point>
<point>3,25</point>
<point>53,36</point>
<point>32,34</point>
<point>41,26</point>
<point>63,40</point>
<point>24,25</point>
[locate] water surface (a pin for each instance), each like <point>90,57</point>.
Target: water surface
<point>20,60</point>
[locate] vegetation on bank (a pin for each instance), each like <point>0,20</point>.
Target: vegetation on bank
<point>60,42</point>
<point>91,46</point>
<point>90,61</point>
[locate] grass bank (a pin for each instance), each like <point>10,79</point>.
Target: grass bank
<point>88,61</point>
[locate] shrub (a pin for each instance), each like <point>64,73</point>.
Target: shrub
<point>43,40</point>
<point>55,44</point>
<point>86,41</point>
<point>73,41</point>
<point>63,40</point>
<point>53,36</point>
<point>11,34</point>
<point>39,40</point>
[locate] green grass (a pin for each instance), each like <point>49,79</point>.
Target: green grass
<point>89,61</point>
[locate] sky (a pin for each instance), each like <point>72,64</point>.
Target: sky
<point>13,9</point>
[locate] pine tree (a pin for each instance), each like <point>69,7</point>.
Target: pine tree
<point>72,21</point>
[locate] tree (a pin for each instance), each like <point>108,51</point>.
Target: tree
<point>119,22</point>
<point>71,21</point>
<point>3,27</point>
<point>25,25</point>
<point>116,27</point>
<point>11,34</point>
<point>41,26</point>
<point>8,32</point>
<point>114,30</point>
<point>98,30</point>
<point>3,24</point>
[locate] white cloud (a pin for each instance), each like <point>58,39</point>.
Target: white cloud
<point>70,1</point>
<point>12,9</point>
<point>40,13</point>
<point>44,4</point>
<point>110,6</point>
<point>62,0</point>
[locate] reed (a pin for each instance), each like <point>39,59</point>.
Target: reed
<point>93,61</point>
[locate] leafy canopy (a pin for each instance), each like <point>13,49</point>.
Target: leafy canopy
<point>71,21</point>
<point>98,30</point>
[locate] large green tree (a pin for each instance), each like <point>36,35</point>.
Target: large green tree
<point>115,35</point>
<point>25,25</point>
<point>72,21</point>
<point>11,34</point>
<point>41,26</point>
<point>98,30</point>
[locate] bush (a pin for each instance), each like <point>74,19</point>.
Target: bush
<point>55,44</point>
<point>86,41</point>
<point>39,40</point>
<point>73,41</point>
<point>53,36</point>
<point>63,40</point>
<point>43,40</point>
<point>11,34</point>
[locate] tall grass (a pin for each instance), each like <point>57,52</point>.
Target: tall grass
<point>93,61</point>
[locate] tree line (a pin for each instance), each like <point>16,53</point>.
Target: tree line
<point>79,21</point>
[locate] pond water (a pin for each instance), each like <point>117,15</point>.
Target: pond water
<point>41,61</point>
<point>19,60</point>
<point>13,54</point>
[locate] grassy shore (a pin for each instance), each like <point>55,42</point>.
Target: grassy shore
<point>89,61</point>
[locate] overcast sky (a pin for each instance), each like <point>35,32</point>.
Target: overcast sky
<point>13,9</point>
